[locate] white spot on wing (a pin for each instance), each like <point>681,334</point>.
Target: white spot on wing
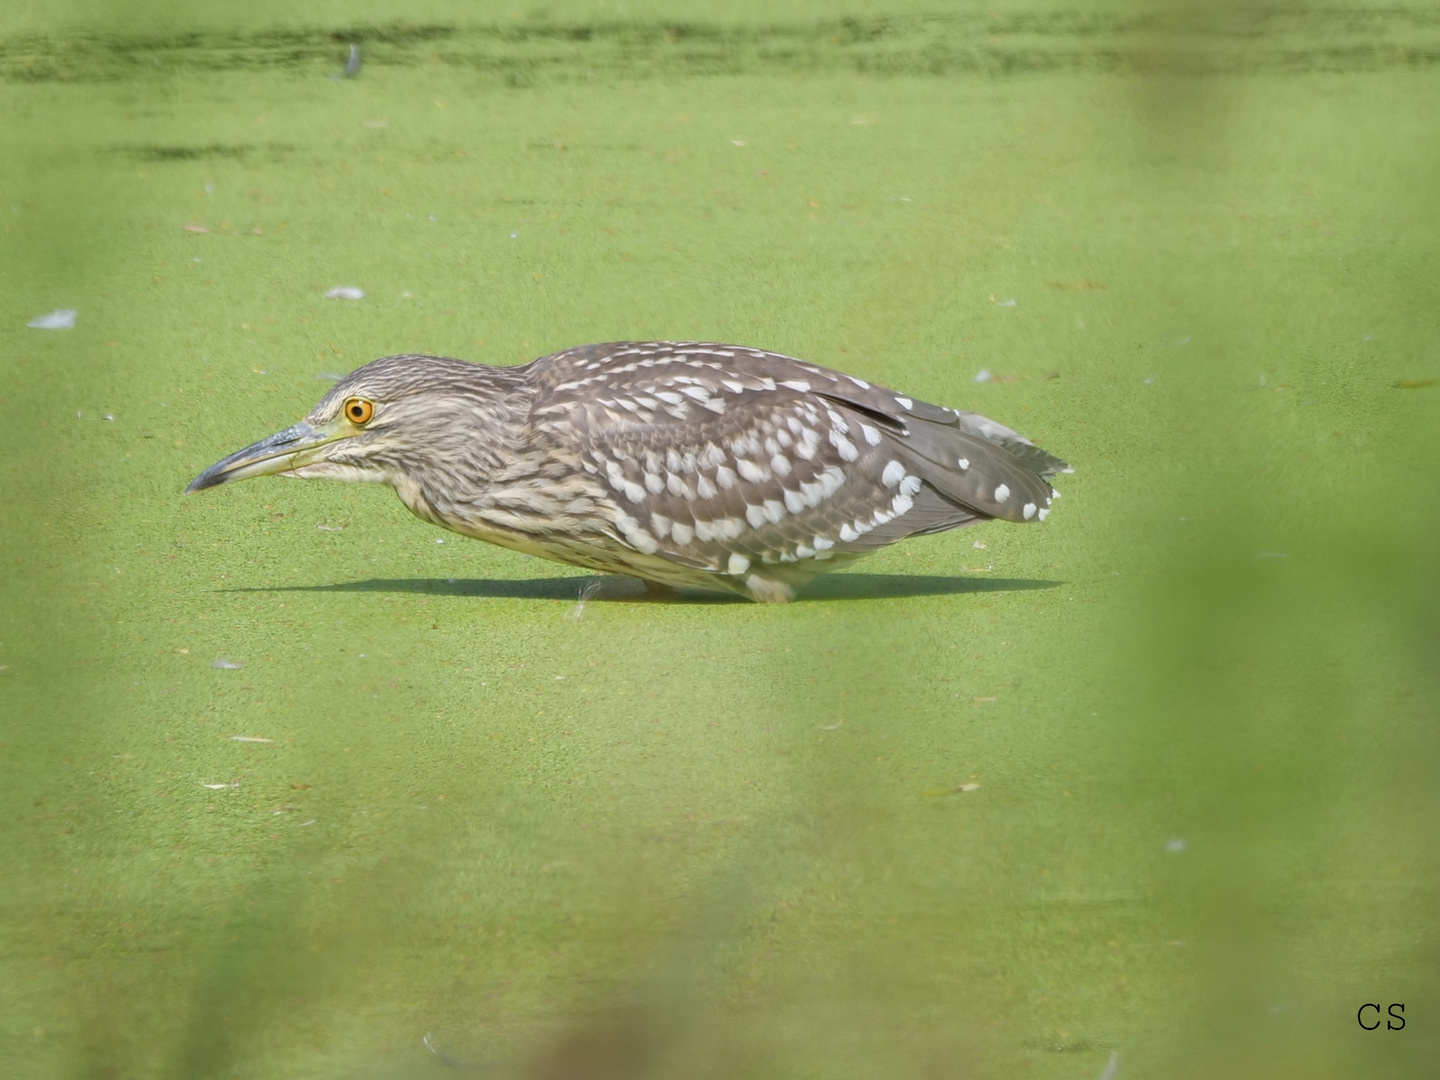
<point>682,534</point>
<point>1028,512</point>
<point>1043,514</point>
<point>872,435</point>
<point>725,478</point>
<point>642,540</point>
<point>1002,493</point>
<point>756,474</point>
<point>755,515</point>
<point>893,474</point>
<point>738,564</point>
<point>964,463</point>
<point>904,402</point>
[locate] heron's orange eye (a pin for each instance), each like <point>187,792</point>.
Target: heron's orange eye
<point>358,411</point>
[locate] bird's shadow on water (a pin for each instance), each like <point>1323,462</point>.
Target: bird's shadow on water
<point>846,586</point>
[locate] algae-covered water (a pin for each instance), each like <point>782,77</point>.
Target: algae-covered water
<point>1148,790</point>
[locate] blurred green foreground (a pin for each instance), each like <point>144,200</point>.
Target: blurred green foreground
<point>452,809</point>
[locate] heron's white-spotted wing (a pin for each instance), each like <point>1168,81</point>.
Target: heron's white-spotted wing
<point>720,456</point>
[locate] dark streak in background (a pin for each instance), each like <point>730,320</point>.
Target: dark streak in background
<point>1242,42</point>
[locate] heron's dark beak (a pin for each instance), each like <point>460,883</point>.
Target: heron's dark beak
<point>281,452</point>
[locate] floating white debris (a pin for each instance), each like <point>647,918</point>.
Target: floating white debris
<point>345,292</point>
<point>588,591</point>
<point>249,738</point>
<point>222,787</point>
<point>968,787</point>
<point>227,665</point>
<point>1176,844</point>
<point>737,142</point>
<point>980,544</point>
<point>983,375</point>
<point>330,528</point>
<point>59,319</point>
<point>831,727</point>
<point>110,417</point>
<point>1001,303</point>
<point>1112,1067</point>
<point>375,125</point>
<point>328,376</point>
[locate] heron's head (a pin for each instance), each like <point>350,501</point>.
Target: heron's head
<point>388,422</point>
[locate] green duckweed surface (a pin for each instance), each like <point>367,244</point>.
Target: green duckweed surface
<point>444,794</point>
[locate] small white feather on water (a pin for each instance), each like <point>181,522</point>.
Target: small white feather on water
<point>345,292</point>
<point>587,591</point>
<point>59,319</point>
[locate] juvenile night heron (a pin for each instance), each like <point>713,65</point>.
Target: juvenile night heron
<point>685,464</point>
